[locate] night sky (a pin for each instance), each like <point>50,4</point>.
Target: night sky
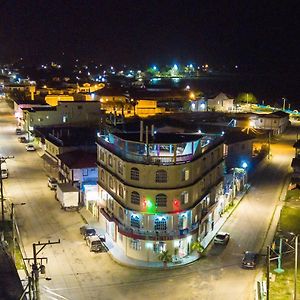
<point>264,35</point>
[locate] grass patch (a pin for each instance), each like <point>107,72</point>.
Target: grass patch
<point>293,195</point>
<point>290,219</point>
<point>283,286</point>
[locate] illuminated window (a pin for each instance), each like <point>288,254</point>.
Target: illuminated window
<point>135,198</point>
<point>134,174</point>
<point>185,175</point>
<point>160,224</point>
<point>184,197</point>
<point>161,200</point>
<point>135,245</point>
<point>135,221</point>
<point>159,247</point>
<point>161,176</point>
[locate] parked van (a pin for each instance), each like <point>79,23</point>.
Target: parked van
<point>4,170</point>
<point>94,243</point>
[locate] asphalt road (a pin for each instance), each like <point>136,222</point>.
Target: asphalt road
<point>78,274</point>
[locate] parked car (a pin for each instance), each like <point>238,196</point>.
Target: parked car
<point>222,238</point>
<point>22,139</point>
<point>87,230</point>
<point>4,173</point>
<point>30,147</point>
<point>249,260</point>
<point>18,131</point>
<point>52,183</point>
<point>95,244</point>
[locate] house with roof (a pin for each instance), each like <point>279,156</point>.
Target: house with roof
<point>220,102</point>
<point>80,169</point>
<point>277,121</point>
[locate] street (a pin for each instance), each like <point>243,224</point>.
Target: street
<point>77,274</point>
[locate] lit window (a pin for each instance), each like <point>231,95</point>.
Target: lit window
<point>135,245</point>
<point>160,224</point>
<point>161,176</point>
<point>159,247</point>
<point>134,174</point>
<point>185,174</point>
<point>135,198</point>
<point>65,119</point>
<point>184,197</point>
<point>161,200</point>
<point>135,221</point>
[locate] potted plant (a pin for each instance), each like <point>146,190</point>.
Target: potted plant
<point>165,257</point>
<point>196,246</point>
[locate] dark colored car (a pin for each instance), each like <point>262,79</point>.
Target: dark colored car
<point>18,131</point>
<point>222,238</point>
<point>249,260</point>
<point>22,139</point>
<point>52,183</point>
<point>87,230</point>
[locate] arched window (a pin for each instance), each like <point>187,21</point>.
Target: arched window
<point>184,197</point>
<point>160,223</point>
<point>135,221</point>
<point>120,168</point>
<point>161,200</point>
<point>102,155</point>
<point>135,198</point>
<point>121,191</point>
<point>121,213</point>
<point>110,160</point>
<point>185,174</point>
<point>161,176</point>
<point>102,176</point>
<point>111,183</point>
<point>135,174</point>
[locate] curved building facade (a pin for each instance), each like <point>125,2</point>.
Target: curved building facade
<point>159,194</point>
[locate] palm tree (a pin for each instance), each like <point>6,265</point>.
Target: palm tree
<point>196,246</point>
<point>165,257</point>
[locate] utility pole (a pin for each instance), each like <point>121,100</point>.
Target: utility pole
<point>269,144</point>
<point>296,267</point>
<point>37,269</point>
<point>268,273</point>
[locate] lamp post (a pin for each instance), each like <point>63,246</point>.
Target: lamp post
<point>296,267</point>
<point>283,105</point>
<point>13,226</point>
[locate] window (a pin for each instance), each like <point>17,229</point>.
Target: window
<point>185,175</point>
<point>135,221</point>
<point>102,155</point>
<point>111,183</point>
<point>159,247</point>
<point>184,197</point>
<point>182,222</point>
<point>135,245</point>
<point>120,168</point>
<point>160,224</point>
<point>65,119</point>
<point>161,200</point>
<point>121,213</point>
<point>110,160</point>
<point>161,176</point>
<point>102,177</point>
<point>85,172</point>
<point>134,174</point>
<point>121,191</point>
<point>135,198</point>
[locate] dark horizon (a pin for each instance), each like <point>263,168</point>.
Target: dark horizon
<point>262,37</point>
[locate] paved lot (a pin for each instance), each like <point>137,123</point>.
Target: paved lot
<point>78,274</point>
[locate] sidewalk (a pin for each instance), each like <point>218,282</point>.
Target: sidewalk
<point>117,254</point>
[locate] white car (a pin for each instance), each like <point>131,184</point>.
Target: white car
<point>30,147</point>
<point>222,238</point>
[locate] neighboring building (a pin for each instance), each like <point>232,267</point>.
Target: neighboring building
<point>54,99</point>
<point>277,121</point>
<point>160,191</point>
<point>65,113</point>
<point>238,149</point>
<point>221,102</point>
<point>80,169</point>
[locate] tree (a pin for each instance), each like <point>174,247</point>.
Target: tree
<point>165,257</point>
<point>196,246</point>
<point>248,98</point>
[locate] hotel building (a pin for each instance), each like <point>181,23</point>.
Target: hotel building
<point>159,191</point>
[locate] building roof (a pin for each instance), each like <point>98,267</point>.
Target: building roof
<point>68,136</point>
<point>78,159</point>
<point>276,114</point>
<point>232,137</point>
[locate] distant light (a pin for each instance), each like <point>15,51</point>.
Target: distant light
<point>175,67</point>
<point>154,68</point>
<point>199,131</point>
<point>191,66</point>
<point>236,66</point>
<point>244,165</point>
<point>89,73</point>
<point>193,105</point>
<point>187,87</point>
<point>223,133</point>
<point>202,105</point>
<point>93,95</point>
<point>155,132</point>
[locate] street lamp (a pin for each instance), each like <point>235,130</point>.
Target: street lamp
<point>283,105</point>
<point>14,226</point>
